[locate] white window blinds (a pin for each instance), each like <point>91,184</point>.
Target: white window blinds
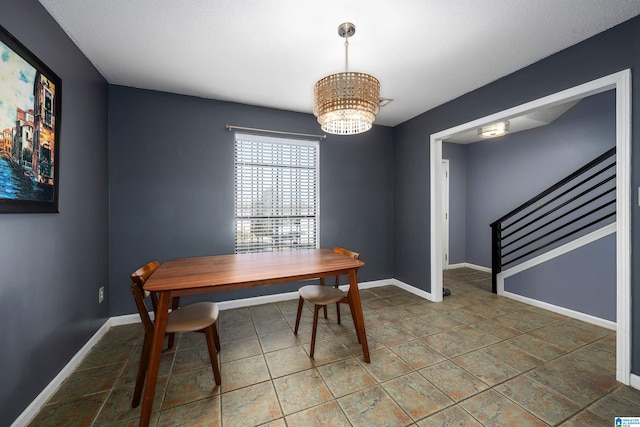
<point>276,194</point>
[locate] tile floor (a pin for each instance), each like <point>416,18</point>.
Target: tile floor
<point>475,359</point>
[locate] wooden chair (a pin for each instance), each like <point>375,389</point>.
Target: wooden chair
<point>198,317</point>
<point>321,296</point>
<point>348,253</point>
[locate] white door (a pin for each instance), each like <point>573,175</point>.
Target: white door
<point>445,214</point>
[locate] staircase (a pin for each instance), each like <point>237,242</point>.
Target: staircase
<point>581,203</point>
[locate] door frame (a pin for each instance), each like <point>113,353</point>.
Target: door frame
<point>621,83</point>
<point>446,203</point>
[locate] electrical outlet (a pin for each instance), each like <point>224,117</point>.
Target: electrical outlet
<point>101,294</point>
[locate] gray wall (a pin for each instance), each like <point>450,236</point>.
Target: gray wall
<point>574,280</point>
<point>52,264</point>
<point>503,173</point>
<point>606,53</point>
<point>169,194</point>
<point>171,185</point>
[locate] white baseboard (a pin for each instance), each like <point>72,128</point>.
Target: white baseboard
<point>127,319</point>
<point>607,324</point>
<point>371,284</point>
<point>469,265</point>
<point>248,302</point>
<point>267,299</point>
<point>35,406</point>
<point>419,292</point>
<point>634,381</point>
<point>32,410</point>
<point>454,266</point>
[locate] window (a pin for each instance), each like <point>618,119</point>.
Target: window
<point>276,194</point>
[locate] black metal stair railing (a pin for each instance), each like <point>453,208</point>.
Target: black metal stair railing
<point>574,206</point>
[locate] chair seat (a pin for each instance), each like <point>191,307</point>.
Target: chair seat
<point>321,295</point>
<point>193,317</point>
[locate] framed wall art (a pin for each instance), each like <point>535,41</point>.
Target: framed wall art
<point>30,111</point>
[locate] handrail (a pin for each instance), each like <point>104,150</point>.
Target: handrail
<point>569,190</point>
<point>559,184</point>
<point>534,231</point>
<point>611,190</point>
<point>583,216</point>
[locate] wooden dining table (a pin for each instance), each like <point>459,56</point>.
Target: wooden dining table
<point>187,276</point>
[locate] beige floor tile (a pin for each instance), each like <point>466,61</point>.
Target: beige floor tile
<point>586,418</point>
<point>567,384</point>
<point>243,372</point>
<point>328,414</point>
<point>516,358</point>
<point>544,403</point>
<point>301,390</point>
<point>288,361</point>
<point>416,395</point>
<point>250,406</point>
<point>417,354</point>
<point>345,377</point>
<point>457,383</point>
<point>373,407</point>
<point>240,349</point>
<point>328,351</point>
<point>612,406</point>
<point>78,412</point>
<point>493,409</point>
<point>484,367</point>
<point>189,386</point>
<point>200,413</point>
<point>453,416</point>
<point>385,365</point>
<point>557,369</point>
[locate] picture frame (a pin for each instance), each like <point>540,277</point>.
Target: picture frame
<point>30,123</point>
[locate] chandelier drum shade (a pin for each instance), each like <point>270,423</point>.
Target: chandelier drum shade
<point>346,103</point>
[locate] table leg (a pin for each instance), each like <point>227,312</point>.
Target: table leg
<point>354,295</point>
<point>159,327</point>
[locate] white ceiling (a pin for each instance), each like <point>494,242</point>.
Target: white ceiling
<point>534,119</point>
<point>271,52</point>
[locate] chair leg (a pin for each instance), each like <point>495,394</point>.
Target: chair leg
<point>213,354</point>
<point>172,338</point>
<point>316,309</point>
<point>142,370</point>
<point>300,304</point>
<point>216,336</point>
<point>325,307</point>
<point>337,286</point>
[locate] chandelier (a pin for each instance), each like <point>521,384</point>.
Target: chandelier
<point>346,103</point>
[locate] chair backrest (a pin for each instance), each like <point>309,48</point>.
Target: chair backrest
<point>347,252</point>
<point>142,274</point>
<point>139,277</point>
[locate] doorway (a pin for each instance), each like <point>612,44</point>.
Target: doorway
<point>621,83</point>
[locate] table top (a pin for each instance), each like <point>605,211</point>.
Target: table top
<point>225,272</point>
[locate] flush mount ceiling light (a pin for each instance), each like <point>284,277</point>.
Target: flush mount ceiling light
<point>346,103</point>
<point>494,130</point>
